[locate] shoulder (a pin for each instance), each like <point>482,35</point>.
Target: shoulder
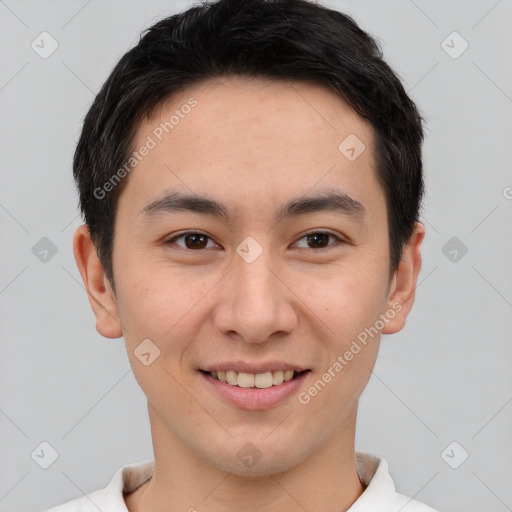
<point>380,493</point>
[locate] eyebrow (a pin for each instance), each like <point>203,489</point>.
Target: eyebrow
<point>331,200</point>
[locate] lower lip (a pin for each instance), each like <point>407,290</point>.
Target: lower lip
<point>255,398</point>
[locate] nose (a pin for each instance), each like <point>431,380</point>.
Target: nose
<point>256,302</point>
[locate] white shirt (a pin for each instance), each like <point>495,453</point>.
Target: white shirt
<point>379,496</point>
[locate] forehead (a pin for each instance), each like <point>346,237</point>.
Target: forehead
<point>255,141</point>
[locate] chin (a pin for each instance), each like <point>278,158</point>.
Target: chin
<point>257,459</point>
<point>267,465</point>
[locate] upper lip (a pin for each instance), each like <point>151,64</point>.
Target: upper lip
<point>246,367</point>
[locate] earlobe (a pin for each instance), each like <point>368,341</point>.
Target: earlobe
<point>99,292</point>
<point>403,286</point>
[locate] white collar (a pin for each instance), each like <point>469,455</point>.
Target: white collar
<point>379,494</point>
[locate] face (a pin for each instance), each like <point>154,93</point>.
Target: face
<point>264,280</point>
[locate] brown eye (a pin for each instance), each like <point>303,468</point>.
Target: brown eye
<point>196,241</point>
<point>192,239</point>
<point>320,240</point>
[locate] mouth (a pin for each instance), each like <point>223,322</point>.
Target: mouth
<point>255,380</point>
<point>252,391</point>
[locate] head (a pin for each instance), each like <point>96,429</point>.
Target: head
<point>280,121</point>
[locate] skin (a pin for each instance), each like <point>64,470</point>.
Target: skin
<point>252,145</point>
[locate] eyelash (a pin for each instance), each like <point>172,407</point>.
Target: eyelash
<point>339,240</point>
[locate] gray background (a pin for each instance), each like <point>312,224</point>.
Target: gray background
<point>446,377</point>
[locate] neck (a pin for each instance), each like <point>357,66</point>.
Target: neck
<point>326,481</point>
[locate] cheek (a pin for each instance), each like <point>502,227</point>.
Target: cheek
<point>349,311</point>
<point>347,306</point>
<point>345,301</point>
<point>159,299</point>
<point>162,306</point>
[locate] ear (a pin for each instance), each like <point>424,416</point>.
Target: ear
<point>403,285</point>
<point>99,291</point>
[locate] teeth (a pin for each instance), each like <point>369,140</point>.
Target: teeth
<point>278,377</point>
<point>231,377</point>
<point>246,380</point>
<point>251,380</point>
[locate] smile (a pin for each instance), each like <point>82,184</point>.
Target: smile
<point>254,391</point>
<point>252,380</point>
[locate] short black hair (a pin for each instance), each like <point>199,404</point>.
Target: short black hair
<point>291,40</point>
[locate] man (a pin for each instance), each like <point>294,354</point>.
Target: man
<point>250,177</point>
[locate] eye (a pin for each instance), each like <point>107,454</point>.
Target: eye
<point>193,240</point>
<point>320,238</point>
